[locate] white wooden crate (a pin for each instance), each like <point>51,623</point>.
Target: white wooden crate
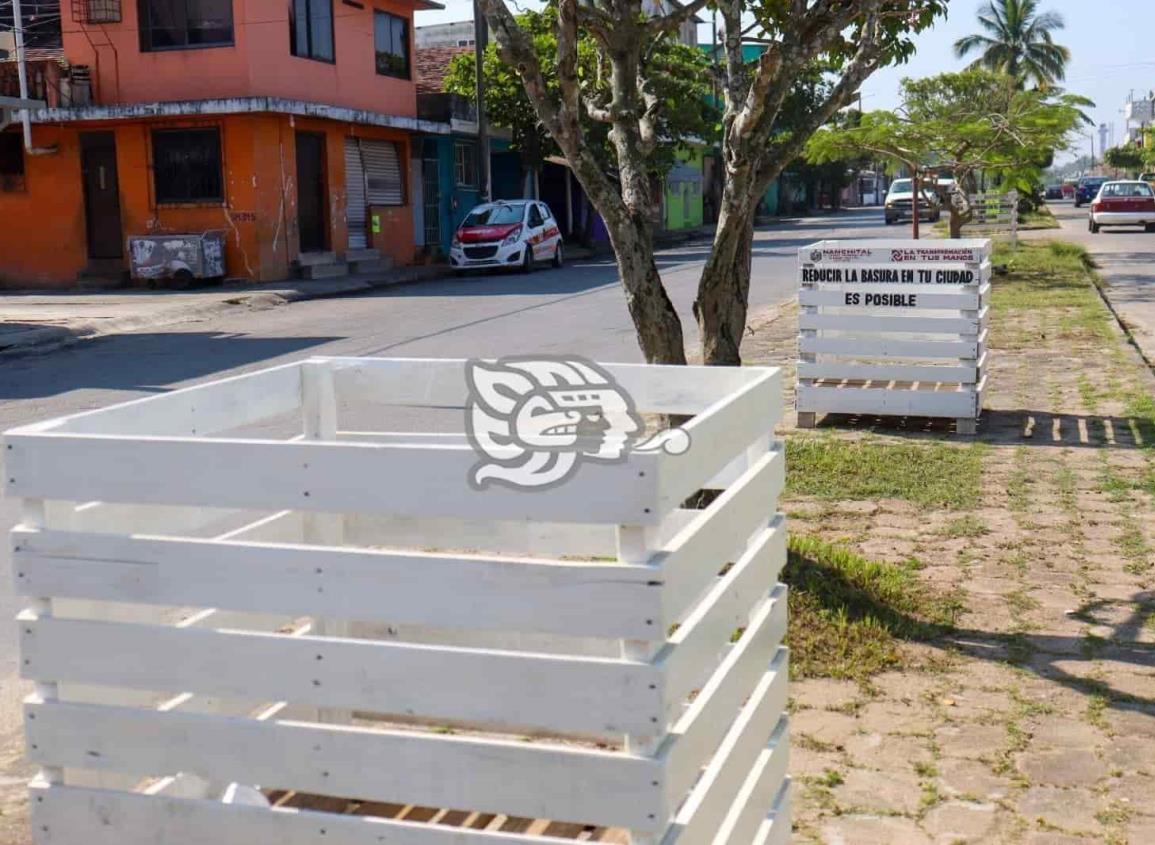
<point>894,328</point>
<point>333,637</point>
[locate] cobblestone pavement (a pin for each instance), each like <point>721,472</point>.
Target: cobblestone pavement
<point>1035,721</point>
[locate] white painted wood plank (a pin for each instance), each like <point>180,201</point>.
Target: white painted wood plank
<point>857,400</point>
<point>761,792</point>
<point>696,648</point>
<point>696,736</point>
<point>888,372</point>
<point>776,829</point>
<point>968,301</point>
<point>703,816</point>
<point>890,323</point>
<point>904,252</point>
<point>719,435</point>
<point>518,690</point>
<point>441,383</point>
<point>64,815</point>
<point>402,480</point>
<point>694,557</point>
<point>579,598</point>
<point>195,411</point>
<point>889,347</point>
<point>518,778</point>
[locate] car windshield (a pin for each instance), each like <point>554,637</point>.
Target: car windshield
<point>900,186</point>
<point>1127,189</point>
<point>1093,183</point>
<point>496,215</point>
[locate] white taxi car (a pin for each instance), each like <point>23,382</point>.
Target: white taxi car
<point>506,233</point>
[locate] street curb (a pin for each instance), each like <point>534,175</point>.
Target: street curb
<point>51,338</point>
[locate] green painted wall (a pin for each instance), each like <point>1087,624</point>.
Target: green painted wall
<point>684,191</point>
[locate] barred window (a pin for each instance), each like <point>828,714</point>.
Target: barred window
<point>186,165</point>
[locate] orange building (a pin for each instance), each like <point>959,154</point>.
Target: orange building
<point>285,126</point>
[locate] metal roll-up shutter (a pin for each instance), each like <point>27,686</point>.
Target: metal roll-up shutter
<point>356,202</point>
<point>383,172</point>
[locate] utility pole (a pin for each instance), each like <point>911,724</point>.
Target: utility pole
<point>480,40</point>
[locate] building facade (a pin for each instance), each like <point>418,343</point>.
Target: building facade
<point>288,127</point>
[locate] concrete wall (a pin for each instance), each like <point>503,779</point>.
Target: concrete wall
<point>43,240</point>
<point>257,64</point>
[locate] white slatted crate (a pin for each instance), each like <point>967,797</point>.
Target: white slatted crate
<point>254,619</point>
<point>893,328</point>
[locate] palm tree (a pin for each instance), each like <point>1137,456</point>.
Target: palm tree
<point>1017,41</point>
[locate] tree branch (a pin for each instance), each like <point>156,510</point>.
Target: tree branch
<point>661,24</point>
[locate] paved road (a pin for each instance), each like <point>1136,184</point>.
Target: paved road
<point>1126,259</point>
<point>577,309</point>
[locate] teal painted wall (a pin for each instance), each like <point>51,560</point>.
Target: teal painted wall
<point>683,189</point>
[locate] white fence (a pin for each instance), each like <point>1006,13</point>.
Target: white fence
<point>895,328</point>
<point>242,640</point>
<point>993,213</point>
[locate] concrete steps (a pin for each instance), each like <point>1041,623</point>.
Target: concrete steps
<point>320,265</point>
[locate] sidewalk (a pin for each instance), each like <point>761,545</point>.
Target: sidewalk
<point>43,321</point>
<point>973,624</point>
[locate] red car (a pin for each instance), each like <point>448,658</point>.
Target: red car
<point>1123,203</point>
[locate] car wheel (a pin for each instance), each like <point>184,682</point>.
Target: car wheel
<point>1094,228</point>
<point>1149,227</point>
<point>527,260</point>
<point>937,217</point>
<point>889,221</point>
<point>1078,204</point>
<point>558,256</point>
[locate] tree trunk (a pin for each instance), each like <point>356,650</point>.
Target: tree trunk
<point>725,283</point>
<point>657,324</point>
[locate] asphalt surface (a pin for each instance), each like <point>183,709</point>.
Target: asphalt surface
<point>578,309</point>
<point>1126,260</point>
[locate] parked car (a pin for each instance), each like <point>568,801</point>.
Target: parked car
<point>1123,203</point>
<point>900,203</point>
<point>1087,188</point>
<point>1054,192</point>
<point>1149,178</point>
<point>506,233</point>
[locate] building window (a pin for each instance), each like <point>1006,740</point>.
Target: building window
<point>311,29</point>
<point>391,40</point>
<point>185,24</point>
<point>465,164</point>
<point>186,165</point>
<point>11,162</point>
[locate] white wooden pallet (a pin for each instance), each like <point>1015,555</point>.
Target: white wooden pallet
<point>332,637</point>
<point>894,328</point>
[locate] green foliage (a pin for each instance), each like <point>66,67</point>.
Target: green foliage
<point>680,76</point>
<point>964,122</point>
<point>849,615</point>
<point>936,475</point>
<point>1128,158</point>
<point>1017,41</point>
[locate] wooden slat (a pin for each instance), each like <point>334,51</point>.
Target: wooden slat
<point>565,694</point>
<point>694,557</point>
<point>696,647</point>
<point>603,599</point>
<point>720,434</point>
<point>896,401</point>
<point>517,778</point>
<point>888,372</point>
<point>766,787</point>
<point>869,347</point>
<point>883,251</point>
<point>65,815</point>
<point>969,301</point>
<point>776,829</point>
<point>441,383</point>
<point>195,411</point>
<point>709,805</point>
<point>401,480</point>
<point>696,736</point>
<point>882,324</point>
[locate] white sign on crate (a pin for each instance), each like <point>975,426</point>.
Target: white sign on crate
<point>894,328</point>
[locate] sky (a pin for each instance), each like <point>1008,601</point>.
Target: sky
<point>1112,45</point>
